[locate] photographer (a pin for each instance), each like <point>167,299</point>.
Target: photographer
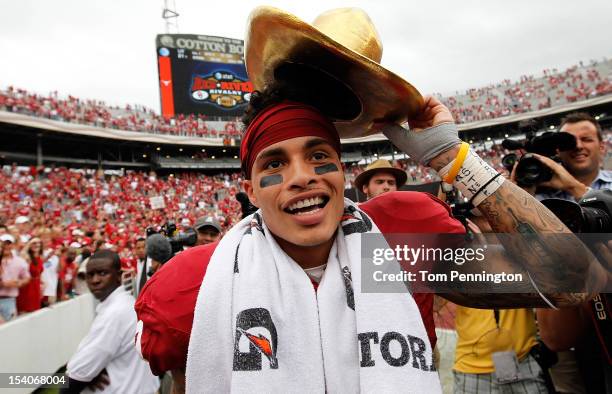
<point>580,168</point>
<point>579,172</point>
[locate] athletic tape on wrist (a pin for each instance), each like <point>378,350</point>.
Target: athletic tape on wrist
<point>424,145</point>
<point>475,178</point>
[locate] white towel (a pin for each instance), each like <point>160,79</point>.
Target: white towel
<point>259,326</point>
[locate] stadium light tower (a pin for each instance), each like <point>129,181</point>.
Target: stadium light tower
<point>170,16</point>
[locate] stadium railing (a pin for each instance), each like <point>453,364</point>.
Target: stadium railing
<point>44,341</point>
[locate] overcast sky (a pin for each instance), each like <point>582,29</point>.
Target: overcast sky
<point>106,49</point>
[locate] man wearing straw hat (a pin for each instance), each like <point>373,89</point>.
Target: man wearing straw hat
<point>281,307</point>
<point>380,177</point>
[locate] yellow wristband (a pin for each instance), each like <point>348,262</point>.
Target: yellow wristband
<point>452,173</point>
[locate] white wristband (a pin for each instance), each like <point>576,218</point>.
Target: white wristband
<point>444,170</point>
<point>472,177</point>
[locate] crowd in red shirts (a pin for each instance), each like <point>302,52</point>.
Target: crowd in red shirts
<point>56,216</point>
<point>530,93</point>
<point>97,113</point>
<point>52,213</point>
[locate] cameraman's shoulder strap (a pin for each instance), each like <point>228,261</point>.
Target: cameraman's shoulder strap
<point>600,309</point>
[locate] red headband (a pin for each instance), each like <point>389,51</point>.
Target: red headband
<point>280,122</point>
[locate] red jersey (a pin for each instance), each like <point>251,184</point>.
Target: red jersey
<point>30,295</point>
<point>69,271</point>
<point>167,302</point>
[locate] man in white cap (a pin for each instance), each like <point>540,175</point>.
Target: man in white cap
<point>23,225</point>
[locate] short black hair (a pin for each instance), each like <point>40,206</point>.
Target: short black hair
<point>576,117</point>
<point>274,93</point>
<point>308,85</point>
<point>107,254</point>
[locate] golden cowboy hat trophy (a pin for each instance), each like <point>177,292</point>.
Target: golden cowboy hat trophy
<point>337,59</point>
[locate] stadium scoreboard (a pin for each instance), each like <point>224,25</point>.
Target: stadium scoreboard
<point>202,75</point>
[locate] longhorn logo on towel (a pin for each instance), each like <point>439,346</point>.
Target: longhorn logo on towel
<point>252,324</point>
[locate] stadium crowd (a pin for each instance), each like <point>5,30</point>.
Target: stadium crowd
<point>530,93</point>
<point>54,213</point>
<point>97,113</point>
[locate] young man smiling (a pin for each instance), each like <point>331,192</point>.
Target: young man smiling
<point>299,204</point>
<point>280,308</point>
<point>581,167</point>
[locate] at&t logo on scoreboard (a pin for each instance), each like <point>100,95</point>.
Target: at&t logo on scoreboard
<point>221,88</point>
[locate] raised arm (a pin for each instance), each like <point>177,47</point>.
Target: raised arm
<point>542,244</point>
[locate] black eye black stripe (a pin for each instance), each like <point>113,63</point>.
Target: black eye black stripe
<point>324,169</point>
<point>270,180</point>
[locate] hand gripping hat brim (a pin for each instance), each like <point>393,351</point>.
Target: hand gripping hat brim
<point>337,58</point>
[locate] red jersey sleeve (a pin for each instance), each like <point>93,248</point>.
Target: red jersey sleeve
<point>411,212</point>
<point>414,212</point>
<point>165,309</point>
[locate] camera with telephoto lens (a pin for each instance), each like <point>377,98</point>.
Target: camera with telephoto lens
<point>177,239</point>
<point>592,214</point>
<point>530,171</point>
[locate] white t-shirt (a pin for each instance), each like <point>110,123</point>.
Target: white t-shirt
<point>50,276</point>
<point>110,344</point>
<point>316,273</point>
